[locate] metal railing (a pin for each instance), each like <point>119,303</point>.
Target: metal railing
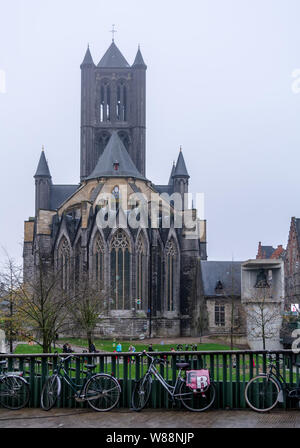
<point>230,371</point>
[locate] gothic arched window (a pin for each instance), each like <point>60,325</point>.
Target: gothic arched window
<point>98,255</point>
<point>64,263</point>
<point>120,271</point>
<point>105,97</point>
<point>141,274</point>
<point>121,100</point>
<point>160,277</point>
<point>171,259</point>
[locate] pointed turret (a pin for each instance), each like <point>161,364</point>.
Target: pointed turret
<point>42,168</point>
<point>115,161</point>
<point>181,178</point>
<point>171,175</point>
<point>113,58</point>
<point>139,61</point>
<point>43,184</point>
<point>180,169</point>
<point>87,60</point>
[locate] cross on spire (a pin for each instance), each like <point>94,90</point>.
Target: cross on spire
<point>113,31</point>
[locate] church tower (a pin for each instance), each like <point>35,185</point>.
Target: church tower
<point>113,98</point>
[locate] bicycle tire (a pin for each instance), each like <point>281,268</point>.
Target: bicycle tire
<point>106,391</point>
<point>50,392</point>
<point>14,392</point>
<point>258,397</point>
<point>197,401</point>
<point>141,393</point>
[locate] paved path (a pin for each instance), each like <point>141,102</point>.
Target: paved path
<point>77,418</point>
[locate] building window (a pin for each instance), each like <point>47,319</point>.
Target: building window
<point>98,255</point>
<point>120,271</point>
<point>160,278</point>
<point>171,257</point>
<point>121,111</point>
<point>105,101</point>
<point>141,274</point>
<point>220,315</point>
<point>64,263</point>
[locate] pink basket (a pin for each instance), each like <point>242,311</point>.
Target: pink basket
<point>198,379</point>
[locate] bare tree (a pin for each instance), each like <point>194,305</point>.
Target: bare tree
<point>89,306</point>
<point>39,305</point>
<point>263,315</point>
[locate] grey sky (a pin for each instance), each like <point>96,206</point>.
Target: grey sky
<point>218,83</point>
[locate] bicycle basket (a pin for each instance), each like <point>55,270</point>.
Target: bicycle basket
<point>198,380</point>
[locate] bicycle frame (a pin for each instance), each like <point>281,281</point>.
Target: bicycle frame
<point>168,387</point>
<point>65,376</point>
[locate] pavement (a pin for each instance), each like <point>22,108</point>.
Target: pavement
<point>126,418</point>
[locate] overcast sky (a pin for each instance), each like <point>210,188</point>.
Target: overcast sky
<point>219,83</point>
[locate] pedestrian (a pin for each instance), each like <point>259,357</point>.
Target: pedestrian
<point>92,348</point>
<point>65,348</point>
<point>69,349</point>
<point>119,347</point>
<point>150,348</point>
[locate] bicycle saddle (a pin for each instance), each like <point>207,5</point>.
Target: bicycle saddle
<point>182,365</point>
<point>2,362</point>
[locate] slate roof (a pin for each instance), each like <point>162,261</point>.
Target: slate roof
<point>267,251</point>
<point>59,193</point>
<point>115,151</point>
<point>43,168</point>
<point>113,58</point>
<point>180,169</point>
<point>164,189</point>
<point>139,61</point>
<point>224,271</point>
<point>172,173</point>
<point>88,60</point>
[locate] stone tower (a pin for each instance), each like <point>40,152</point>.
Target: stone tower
<point>113,98</point>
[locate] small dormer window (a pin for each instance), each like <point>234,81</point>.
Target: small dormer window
<point>116,165</point>
<point>219,287</point>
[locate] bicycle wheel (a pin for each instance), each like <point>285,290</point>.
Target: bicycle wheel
<point>14,392</point>
<point>141,393</point>
<point>261,393</point>
<point>50,392</point>
<point>102,392</point>
<point>194,400</point>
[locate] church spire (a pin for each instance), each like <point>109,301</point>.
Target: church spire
<point>171,175</point>
<point>113,58</point>
<point>43,168</point>
<point>180,169</point>
<point>87,60</point>
<point>139,61</point>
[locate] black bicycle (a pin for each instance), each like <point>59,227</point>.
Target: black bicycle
<point>101,391</point>
<point>14,389</point>
<point>193,399</point>
<point>265,390</point>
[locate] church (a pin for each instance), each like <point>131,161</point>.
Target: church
<point>153,273</point>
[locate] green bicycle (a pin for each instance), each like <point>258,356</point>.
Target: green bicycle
<point>14,389</point>
<point>101,391</point>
